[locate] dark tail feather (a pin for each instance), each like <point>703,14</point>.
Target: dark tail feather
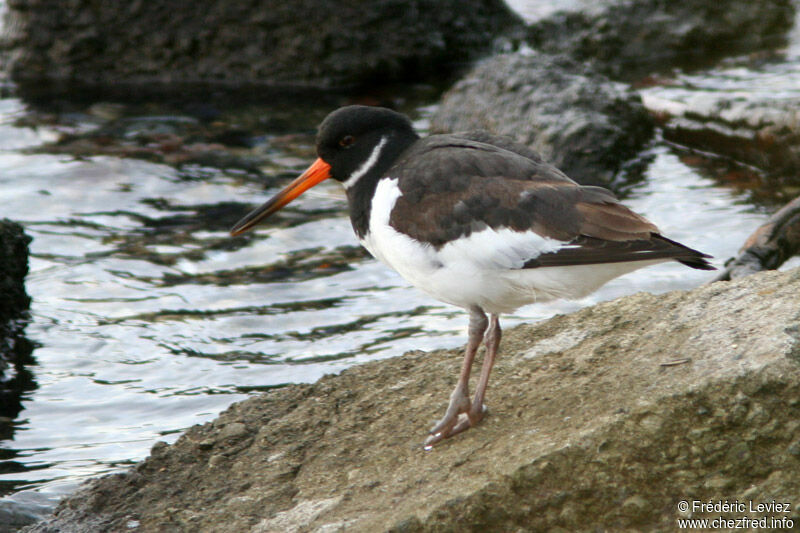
<point>593,251</point>
<point>698,262</point>
<point>690,257</point>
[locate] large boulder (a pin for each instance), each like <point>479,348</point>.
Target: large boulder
<point>140,47</point>
<point>579,120</point>
<point>605,419</point>
<point>628,38</point>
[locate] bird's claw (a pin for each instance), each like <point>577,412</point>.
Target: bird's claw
<point>459,404</point>
<point>449,427</point>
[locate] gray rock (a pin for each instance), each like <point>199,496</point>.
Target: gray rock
<point>628,38</point>
<point>661,398</point>
<point>142,47</point>
<point>580,121</point>
<point>754,125</point>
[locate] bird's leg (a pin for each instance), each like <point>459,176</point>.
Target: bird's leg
<point>478,410</point>
<point>459,399</point>
<point>492,341</point>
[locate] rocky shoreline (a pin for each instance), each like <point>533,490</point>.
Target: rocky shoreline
<point>605,418</point>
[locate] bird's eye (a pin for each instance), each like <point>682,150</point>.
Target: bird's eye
<point>347,141</point>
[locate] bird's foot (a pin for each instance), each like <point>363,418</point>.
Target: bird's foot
<point>459,403</point>
<point>447,428</point>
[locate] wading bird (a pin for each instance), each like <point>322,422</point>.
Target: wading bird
<point>476,221</point>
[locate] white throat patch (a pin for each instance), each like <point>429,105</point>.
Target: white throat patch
<point>368,164</point>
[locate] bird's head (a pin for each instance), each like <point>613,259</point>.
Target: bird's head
<point>353,143</point>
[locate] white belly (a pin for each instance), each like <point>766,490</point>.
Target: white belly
<point>482,269</point>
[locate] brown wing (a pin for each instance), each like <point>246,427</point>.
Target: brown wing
<point>612,233</point>
<point>452,187</point>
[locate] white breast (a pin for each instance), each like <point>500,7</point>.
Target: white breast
<point>484,268</point>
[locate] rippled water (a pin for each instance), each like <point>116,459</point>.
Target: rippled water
<point>150,319</point>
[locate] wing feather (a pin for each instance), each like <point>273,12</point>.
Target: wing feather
<point>454,187</point>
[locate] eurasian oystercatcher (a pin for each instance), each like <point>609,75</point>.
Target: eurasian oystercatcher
<point>476,221</point>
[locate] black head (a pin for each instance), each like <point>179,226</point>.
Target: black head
<point>354,136</point>
<point>354,144</point>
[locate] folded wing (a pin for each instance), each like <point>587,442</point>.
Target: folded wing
<point>533,214</point>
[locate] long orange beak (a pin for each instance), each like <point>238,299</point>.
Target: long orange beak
<point>318,172</point>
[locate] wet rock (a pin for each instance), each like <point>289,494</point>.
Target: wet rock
<point>583,123</point>
<point>15,349</point>
<point>15,353</point>
<point>751,125</point>
<point>13,269</point>
<point>628,38</point>
<point>769,246</point>
<point>170,47</point>
<point>681,396</point>
<point>178,140</point>
<point>14,516</point>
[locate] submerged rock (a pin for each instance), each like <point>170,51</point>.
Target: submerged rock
<point>627,38</point>
<point>155,47</point>
<point>583,123</point>
<point>604,419</point>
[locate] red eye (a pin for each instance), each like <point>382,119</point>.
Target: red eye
<point>347,141</point>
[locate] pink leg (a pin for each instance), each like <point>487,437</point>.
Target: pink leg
<point>459,399</point>
<point>478,410</point>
